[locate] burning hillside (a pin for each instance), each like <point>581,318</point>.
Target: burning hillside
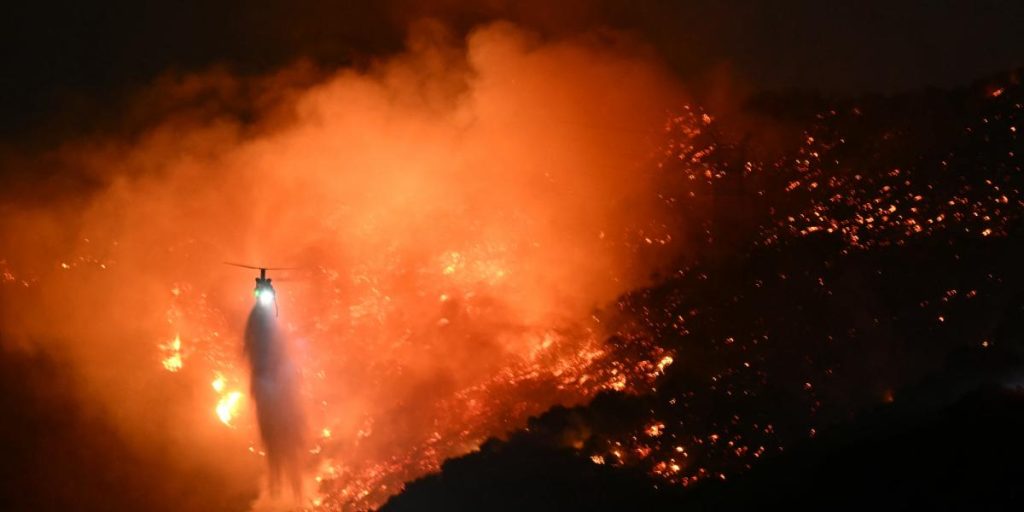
<point>458,218</point>
<point>879,270</point>
<point>478,231</point>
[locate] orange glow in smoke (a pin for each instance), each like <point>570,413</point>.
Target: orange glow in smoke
<point>229,406</point>
<point>172,362</point>
<point>462,216</point>
<point>219,383</point>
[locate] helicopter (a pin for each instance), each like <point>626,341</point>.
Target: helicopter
<point>264,291</point>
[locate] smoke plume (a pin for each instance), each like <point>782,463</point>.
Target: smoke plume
<point>464,213</point>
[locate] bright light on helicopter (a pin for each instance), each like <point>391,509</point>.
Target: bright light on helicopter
<point>266,297</point>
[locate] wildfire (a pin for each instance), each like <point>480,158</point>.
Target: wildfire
<point>228,407</point>
<point>665,363</point>
<point>172,362</point>
<point>455,293</point>
<point>219,382</point>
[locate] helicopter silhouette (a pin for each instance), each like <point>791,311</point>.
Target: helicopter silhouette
<point>264,291</point>
<point>274,384</point>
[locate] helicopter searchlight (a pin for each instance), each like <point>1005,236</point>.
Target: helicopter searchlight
<point>264,291</point>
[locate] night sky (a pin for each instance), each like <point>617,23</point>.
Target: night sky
<point>67,55</point>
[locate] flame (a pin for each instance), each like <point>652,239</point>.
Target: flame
<point>464,218</point>
<point>468,222</point>
<point>229,406</point>
<point>172,362</point>
<point>219,383</point>
<point>665,363</point>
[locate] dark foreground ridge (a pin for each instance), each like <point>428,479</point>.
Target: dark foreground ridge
<point>962,457</point>
<point>854,342</point>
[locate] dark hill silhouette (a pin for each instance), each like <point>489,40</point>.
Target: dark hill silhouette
<point>848,331</point>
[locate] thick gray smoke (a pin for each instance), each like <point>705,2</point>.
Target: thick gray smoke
<point>274,386</point>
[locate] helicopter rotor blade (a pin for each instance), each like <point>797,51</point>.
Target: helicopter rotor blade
<point>241,265</point>
<point>259,268</point>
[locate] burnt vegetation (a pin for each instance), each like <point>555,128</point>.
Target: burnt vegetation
<point>846,332</point>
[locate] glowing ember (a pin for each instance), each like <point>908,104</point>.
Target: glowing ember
<point>477,248</point>
<point>665,363</point>
<point>172,362</point>
<point>219,383</point>
<point>229,406</point>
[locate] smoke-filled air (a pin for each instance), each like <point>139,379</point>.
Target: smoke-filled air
<point>458,218</point>
<point>274,385</point>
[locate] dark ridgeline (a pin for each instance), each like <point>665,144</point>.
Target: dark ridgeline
<point>879,365</point>
<point>962,457</point>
